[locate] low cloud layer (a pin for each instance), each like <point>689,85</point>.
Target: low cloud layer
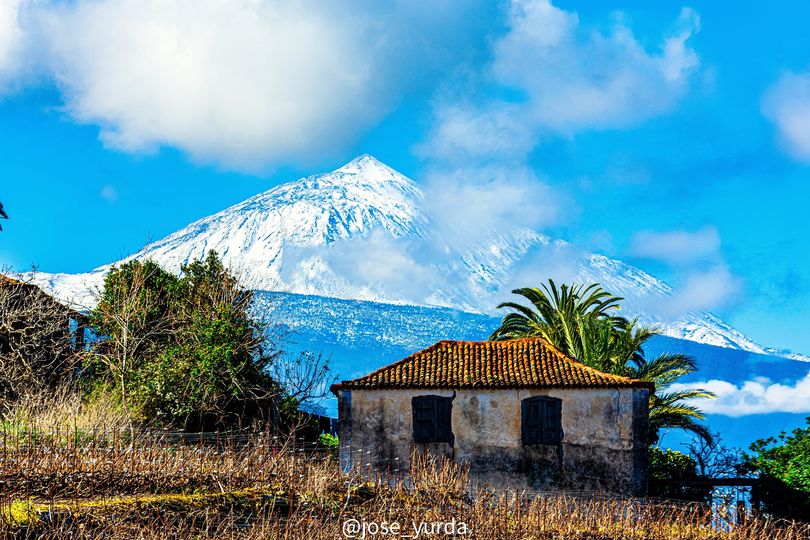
<point>787,105</point>
<point>706,289</point>
<point>760,396</point>
<point>477,233</point>
<point>676,247</point>
<point>704,281</point>
<point>472,204</point>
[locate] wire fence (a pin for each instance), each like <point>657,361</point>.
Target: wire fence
<point>66,463</point>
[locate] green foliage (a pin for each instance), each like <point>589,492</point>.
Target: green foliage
<point>581,323</point>
<point>783,464</point>
<point>673,466</point>
<point>555,312</point>
<point>182,351</point>
<point>327,440</point>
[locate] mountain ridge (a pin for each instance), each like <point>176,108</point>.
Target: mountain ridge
<point>312,236</point>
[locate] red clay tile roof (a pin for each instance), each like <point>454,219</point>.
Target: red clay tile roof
<point>519,363</point>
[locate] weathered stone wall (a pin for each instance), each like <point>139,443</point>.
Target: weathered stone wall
<point>604,443</point>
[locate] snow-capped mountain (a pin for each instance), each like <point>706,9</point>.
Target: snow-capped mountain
<point>362,232</point>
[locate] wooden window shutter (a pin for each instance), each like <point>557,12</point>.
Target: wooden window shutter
<point>432,419</point>
<point>424,419</point>
<point>552,423</point>
<point>541,420</point>
<point>444,414</point>
<point>531,421</point>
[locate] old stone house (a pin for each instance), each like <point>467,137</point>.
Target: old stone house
<point>520,413</point>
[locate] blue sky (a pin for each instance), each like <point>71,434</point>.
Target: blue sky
<point>673,136</point>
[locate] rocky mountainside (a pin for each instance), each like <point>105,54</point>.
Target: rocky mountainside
<point>362,232</point>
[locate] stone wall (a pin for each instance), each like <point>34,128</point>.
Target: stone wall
<point>604,443</point>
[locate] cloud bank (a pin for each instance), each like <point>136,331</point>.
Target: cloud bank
<point>550,75</point>
<point>568,78</point>
<point>706,281</point>
<point>240,83</point>
<point>759,396</point>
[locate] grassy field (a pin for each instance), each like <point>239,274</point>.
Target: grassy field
<point>69,483</point>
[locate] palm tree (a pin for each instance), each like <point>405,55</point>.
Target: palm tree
<point>577,320</point>
<point>2,214</point>
<point>555,312</point>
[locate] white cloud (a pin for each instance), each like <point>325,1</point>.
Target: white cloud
<point>569,78</point>
<point>244,84</point>
<point>11,41</point>
<point>578,78</point>
<point>375,266</point>
<point>464,132</point>
<point>759,396</point>
<point>704,281</point>
<point>676,247</point>
<point>471,204</point>
<point>707,289</point>
<point>238,82</point>
<point>787,105</point>
<point>108,193</point>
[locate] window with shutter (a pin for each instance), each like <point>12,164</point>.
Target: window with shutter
<point>541,420</point>
<point>432,419</point>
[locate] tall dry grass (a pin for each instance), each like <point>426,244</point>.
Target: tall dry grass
<point>64,405</point>
<point>255,486</point>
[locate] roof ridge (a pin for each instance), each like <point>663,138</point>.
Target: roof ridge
<point>498,364</point>
<point>584,365</point>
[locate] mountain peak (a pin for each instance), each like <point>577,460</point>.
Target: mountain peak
<point>283,240</point>
<point>365,179</point>
<point>368,168</point>
<point>364,161</point>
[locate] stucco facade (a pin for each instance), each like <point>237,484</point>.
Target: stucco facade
<point>603,447</point>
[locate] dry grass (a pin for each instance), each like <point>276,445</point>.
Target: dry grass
<point>47,411</point>
<point>64,483</point>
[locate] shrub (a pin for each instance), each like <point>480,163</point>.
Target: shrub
<point>667,468</point>
<point>784,466</point>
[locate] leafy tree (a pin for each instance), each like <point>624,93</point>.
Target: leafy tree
<point>183,351</point>
<point>783,464</point>
<point>134,316</point>
<point>581,323</point>
<point>215,370</point>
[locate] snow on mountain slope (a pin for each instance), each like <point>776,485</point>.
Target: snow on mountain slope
<point>352,234</point>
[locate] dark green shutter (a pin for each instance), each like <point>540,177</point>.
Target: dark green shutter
<point>541,420</point>
<point>444,412</point>
<point>424,419</point>
<point>532,425</point>
<point>432,419</point>
<point>552,423</point>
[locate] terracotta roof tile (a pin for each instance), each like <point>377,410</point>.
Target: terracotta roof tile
<point>519,363</point>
